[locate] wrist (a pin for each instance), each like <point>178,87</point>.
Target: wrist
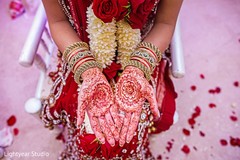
<point>79,59</point>
<point>96,68</point>
<point>140,66</point>
<point>95,71</point>
<point>134,69</point>
<point>73,48</point>
<point>153,50</point>
<point>146,57</point>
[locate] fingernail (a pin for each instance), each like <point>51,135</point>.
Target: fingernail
<point>103,141</point>
<point>111,142</point>
<point>121,144</point>
<point>128,140</point>
<point>117,138</point>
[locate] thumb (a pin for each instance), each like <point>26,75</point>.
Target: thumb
<point>82,104</point>
<point>150,95</point>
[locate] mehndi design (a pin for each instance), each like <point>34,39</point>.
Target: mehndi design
<point>132,90</point>
<point>96,98</point>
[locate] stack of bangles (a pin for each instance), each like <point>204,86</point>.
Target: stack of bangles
<point>145,57</point>
<point>79,59</point>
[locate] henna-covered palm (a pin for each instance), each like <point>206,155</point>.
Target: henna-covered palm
<point>132,90</point>
<point>96,98</point>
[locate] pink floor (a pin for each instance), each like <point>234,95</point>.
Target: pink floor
<point>211,39</point>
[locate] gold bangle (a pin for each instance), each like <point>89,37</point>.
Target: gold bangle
<point>74,53</point>
<point>77,57</point>
<point>152,47</point>
<point>140,66</point>
<point>83,68</point>
<point>73,46</point>
<point>143,54</point>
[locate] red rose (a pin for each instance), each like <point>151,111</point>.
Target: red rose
<point>140,10</point>
<point>122,10</point>
<point>135,4</point>
<point>186,149</point>
<point>112,70</point>
<point>142,7</point>
<point>106,10</point>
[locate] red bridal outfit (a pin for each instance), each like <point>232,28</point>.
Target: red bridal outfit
<point>60,107</point>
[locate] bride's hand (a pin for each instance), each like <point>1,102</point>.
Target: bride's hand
<point>132,90</point>
<point>96,98</point>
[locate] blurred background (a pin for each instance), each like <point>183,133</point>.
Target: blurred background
<point>208,101</point>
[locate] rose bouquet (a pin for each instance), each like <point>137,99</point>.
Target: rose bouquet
<point>114,25</point>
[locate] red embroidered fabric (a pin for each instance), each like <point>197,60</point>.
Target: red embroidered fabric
<point>61,105</point>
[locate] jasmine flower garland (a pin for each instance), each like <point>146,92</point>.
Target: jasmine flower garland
<point>106,38</point>
<point>102,38</point>
<point>127,40</point>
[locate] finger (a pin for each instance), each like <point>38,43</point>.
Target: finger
<point>160,94</point>
<point>106,130</point>
<point>121,117</point>
<point>113,127</point>
<point>124,130</point>
<point>114,111</point>
<point>160,88</point>
<point>96,128</point>
<point>133,125</point>
<point>118,118</point>
<point>151,97</point>
<point>82,104</point>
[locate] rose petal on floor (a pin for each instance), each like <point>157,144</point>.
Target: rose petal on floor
<point>193,87</point>
<point>186,132</point>
<point>186,149</point>
<point>202,76</point>
<point>223,142</point>
<point>15,131</point>
<point>212,105</point>
<point>11,120</point>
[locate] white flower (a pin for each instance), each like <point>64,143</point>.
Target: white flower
<point>105,38</point>
<point>102,38</point>
<point>127,40</point>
